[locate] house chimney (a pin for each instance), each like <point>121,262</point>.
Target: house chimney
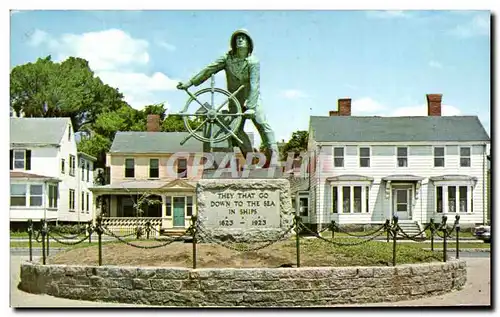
<point>153,123</point>
<point>434,104</point>
<point>344,108</point>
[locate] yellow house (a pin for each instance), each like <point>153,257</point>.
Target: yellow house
<point>151,178</point>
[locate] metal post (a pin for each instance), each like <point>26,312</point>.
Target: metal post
<point>89,230</point>
<point>387,229</point>
<point>445,233</point>
<point>457,229</point>
<point>395,228</point>
<point>43,232</point>
<point>99,237</point>
<point>432,233</point>
<point>48,239</point>
<point>193,228</point>
<point>30,234</point>
<point>333,229</point>
<point>148,229</point>
<point>297,239</point>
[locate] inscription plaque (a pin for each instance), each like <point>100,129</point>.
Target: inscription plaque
<point>242,209</point>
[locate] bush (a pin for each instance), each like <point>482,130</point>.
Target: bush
<point>70,229</point>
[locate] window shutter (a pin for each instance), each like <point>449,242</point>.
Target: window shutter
<point>11,159</point>
<point>28,160</point>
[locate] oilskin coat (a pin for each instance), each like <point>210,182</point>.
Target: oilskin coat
<point>242,71</point>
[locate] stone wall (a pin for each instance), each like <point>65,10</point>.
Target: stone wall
<point>320,286</point>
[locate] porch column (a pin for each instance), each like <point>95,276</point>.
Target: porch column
<point>95,207</point>
<point>363,199</point>
<point>163,206</point>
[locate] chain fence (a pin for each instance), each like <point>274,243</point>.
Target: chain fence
<point>196,231</point>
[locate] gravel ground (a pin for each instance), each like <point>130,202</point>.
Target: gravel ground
<point>476,292</point>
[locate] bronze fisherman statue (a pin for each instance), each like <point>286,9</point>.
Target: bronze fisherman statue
<point>242,68</point>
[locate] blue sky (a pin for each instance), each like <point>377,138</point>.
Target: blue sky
<point>386,61</point>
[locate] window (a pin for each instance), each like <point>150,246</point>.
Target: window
<point>462,196</point>
<point>72,200</point>
<point>335,200</point>
<point>82,164</point>
<point>338,157</point>
<point>367,192</point>
<point>189,206</point>
<point>154,171</point>
<point>402,153</point>
<point>62,166</point>
<point>439,157</point>
<point>18,194</point>
<point>364,157</point>
<point>20,159</point>
<point>69,132</point>
<point>346,199</point>
<point>82,206</point>
<point>182,168</point>
<point>452,197</point>
<point>129,167</point>
<point>52,196</point>
<point>357,199</point>
<point>72,163</point>
<point>303,205</point>
<point>88,171</point>
<point>169,206</point>
<point>88,202</point>
<point>36,195</point>
<point>465,157</point>
<point>439,199</point>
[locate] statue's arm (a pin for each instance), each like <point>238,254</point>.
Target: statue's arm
<point>253,96</point>
<point>213,68</point>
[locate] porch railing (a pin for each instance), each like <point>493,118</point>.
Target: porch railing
<point>127,225</point>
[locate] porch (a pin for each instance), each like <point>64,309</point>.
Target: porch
<point>168,206</point>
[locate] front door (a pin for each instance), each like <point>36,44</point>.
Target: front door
<point>179,203</point>
<point>401,198</point>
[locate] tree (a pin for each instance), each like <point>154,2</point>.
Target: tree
<point>67,89</point>
<point>297,144</point>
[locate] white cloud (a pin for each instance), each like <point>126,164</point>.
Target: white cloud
<point>479,25</point>
<point>421,110</point>
<point>388,14</point>
<point>165,45</point>
<point>435,64</point>
<point>114,56</point>
<point>37,38</point>
<point>293,94</point>
<point>365,106</point>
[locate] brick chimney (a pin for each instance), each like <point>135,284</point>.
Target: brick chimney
<point>153,123</point>
<point>344,108</point>
<point>434,104</point>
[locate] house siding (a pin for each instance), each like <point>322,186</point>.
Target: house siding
<point>383,162</point>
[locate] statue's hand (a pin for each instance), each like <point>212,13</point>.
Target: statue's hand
<point>250,113</point>
<point>184,86</point>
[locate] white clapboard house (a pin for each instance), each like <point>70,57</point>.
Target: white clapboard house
<point>49,178</point>
<point>369,169</point>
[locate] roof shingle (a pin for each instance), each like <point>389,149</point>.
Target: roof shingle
<point>397,129</point>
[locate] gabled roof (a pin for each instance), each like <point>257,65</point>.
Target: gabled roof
<point>29,176</point>
<point>37,130</point>
<point>397,129</point>
<point>154,142</point>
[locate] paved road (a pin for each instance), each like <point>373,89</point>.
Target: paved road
<point>476,292</point>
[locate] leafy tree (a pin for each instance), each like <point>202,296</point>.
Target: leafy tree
<point>67,89</point>
<point>297,144</point>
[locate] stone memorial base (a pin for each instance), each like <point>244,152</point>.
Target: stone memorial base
<point>244,210</point>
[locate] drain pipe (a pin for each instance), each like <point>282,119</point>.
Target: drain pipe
<point>484,189</point>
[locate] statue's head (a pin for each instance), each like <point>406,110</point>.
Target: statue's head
<point>241,39</point>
